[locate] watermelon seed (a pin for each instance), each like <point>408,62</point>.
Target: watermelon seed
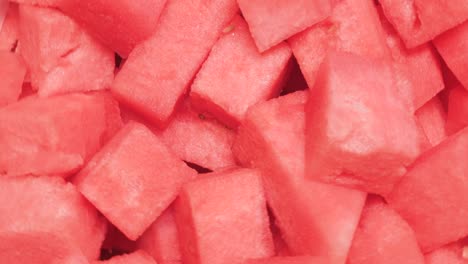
<point>229,29</point>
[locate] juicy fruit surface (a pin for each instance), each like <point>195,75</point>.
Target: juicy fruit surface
<point>457,116</point>
<point>12,72</point>
<point>432,118</point>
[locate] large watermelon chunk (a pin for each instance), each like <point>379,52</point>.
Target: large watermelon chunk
<point>222,219</point>
<point>9,29</point>
<point>159,70</point>
<point>351,137</point>
<point>383,237</point>
<point>57,135</point>
<point>419,21</point>
<point>274,21</point>
<point>133,179</point>
<point>118,24</point>
<point>452,253</point>
<point>432,196</point>
<point>290,260</point>
<point>12,72</point>
<point>47,221</point>
<point>432,118</point>
<point>272,139</point>
<point>457,115</point>
<point>137,257</point>
<point>61,57</point>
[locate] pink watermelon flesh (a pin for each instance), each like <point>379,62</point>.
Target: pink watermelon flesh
<point>133,179</point>
<point>61,57</point>
<point>457,114</point>
<point>281,247</point>
<point>161,240</point>
<point>4,4</point>
<point>432,195</point>
<point>198,139</point>
<point>453,47</point>
<point>290,260</point>
<point>453,254</point>
<point>272,22</point>
<point>137,257</point>
<point>272,139</point>
<point>432,118</point>
<point>46,219</point>
<point>12,72</point>
<point>419,21</point>
<point>9,28</point>
<point>120,24</point>
<point>55,136</point>
<point>383,237</point>
<point>211,233</point>
<point>159,70</point>
<point>227,90</point>
<point>351,139</point>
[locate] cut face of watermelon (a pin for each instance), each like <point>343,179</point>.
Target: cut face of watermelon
<point>10,30</point>
<point>432,118</point>
<point>12,72</point>
<point>452,254</point>
<point>4,4</point>
<point>457,117</point>
<point>137,257</point>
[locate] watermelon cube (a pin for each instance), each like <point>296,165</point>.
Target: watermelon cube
<point>432,196</point>
<point>358,131</point>
<point>432,118</point>
<point>57,135</point>
<point>137,257</point>
<point>9,29</point>
<point>222,219</point>
<point>383,237</point>
<point>272,22</point>
<point>12,72</point>
<point>61,57</point>
<point>227,90</point>
<point>419,21</point>
<point>133,179</point>
<point>272,139</point>
<point>453,47</point>
<point>44,220</point>
<point>119,24</point>
<point>457,114</point>
<point>159,70</point>
<point>290,260</point>
<point>161,239</point>
<point>453,253</point>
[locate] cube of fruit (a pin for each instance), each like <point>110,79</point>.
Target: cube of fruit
<point>159,70</point>
<point>133,179</point>
<point>60,56</point>
<point>452,253</point>
<point>432,118</point>
<point>9,29</point>
<point>222,218</point>
<point>137,257</point>
<point>45,220</point>
<point>358,131</point>
<point>457,115</point>
<point>272,139</point>
<point>432,196</point>
<point>57,135</point>
<point>12,72</point>
<point>289,260</point>
<point>227,90</point>
<point>274,21</point>
<point>383,237</point>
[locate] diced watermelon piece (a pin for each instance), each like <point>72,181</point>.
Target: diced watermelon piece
<point>358,131</point>
<point>159,70</point>
<point>457,114</point>
<point>453,254</point>
<point>133,179</point>
<point>137,257</point>
<point>383,237</point>
<point>453,47</point>
<point>12,72</point>
<point>432,117</point>
<point>432,195</point>
<point>227,90</point>
<point>290,260</point>
<point>57,135</point>
<point>9,28</point>
<point>222,218</point>
<point>419,21</point>
<point>274,21</point>
<point>272,139</point>
<point>46,220</point>
<point>61,57</point>
<point>197,139</point>
<point>161,239</point>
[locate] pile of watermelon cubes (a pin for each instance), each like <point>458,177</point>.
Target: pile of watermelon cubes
<point>234,131</point>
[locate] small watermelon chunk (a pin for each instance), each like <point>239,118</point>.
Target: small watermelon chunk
<point>290,260</point>
<point>419,21</point>
<point>457,114</point>
<point>137,257</point>
<point>272,22</point>
<point>432,196</point>
<point>158,71</point>
<point>222,219</point>
<point>133,179</point>
<point>383,237</point>
<point>227,90</point>
<point>272,139</point>
<point>12,72</point>
<point>9,31</point>
<point>452,253</point>
<point>61,57</point>
<point>432,118</point>
<point>350,137</point>
<point>57,135</point>
<point>47,221</point>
